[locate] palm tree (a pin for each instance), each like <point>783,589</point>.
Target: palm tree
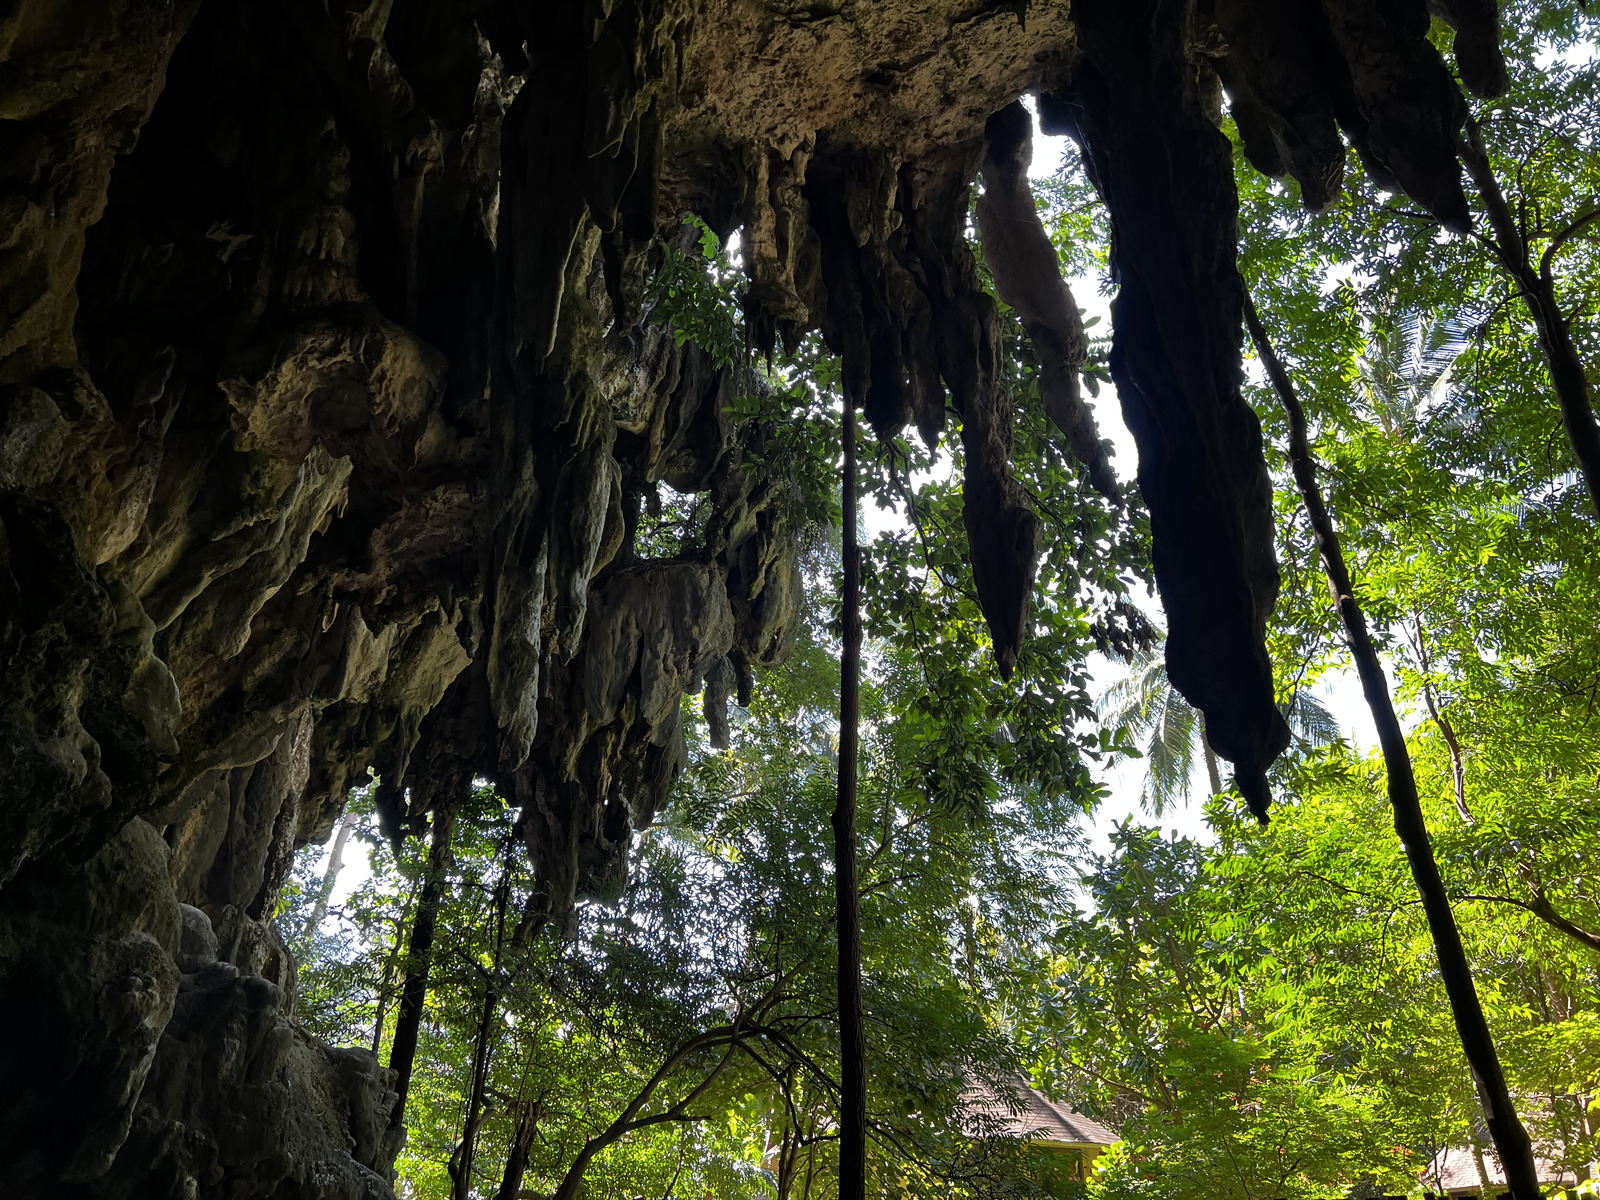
<point>1172,731</point>
<point>1405,370</point>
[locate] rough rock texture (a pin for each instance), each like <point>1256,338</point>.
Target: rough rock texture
<point>1027,276</point>
<point>1137,106</point>
<point>328,407</point>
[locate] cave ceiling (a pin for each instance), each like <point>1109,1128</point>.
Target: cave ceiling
<point>328,406</point>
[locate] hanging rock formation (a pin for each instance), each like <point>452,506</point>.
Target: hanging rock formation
<point>1027,276</point>
<point>329,402</point>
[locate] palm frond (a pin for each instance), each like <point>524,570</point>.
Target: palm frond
<point>1310,721</point>
<point>1167,727</point>
<point>1407,366</point>
<point>1172,756</point>
<point>1133,702</point>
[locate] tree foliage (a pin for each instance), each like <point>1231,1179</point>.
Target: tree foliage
<point>1256,1012</point>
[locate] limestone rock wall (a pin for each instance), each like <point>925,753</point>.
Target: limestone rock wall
<point>329,401</point>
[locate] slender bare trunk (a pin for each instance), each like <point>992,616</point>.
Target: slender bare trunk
<point>330,876</point>
<point>460,1165</point>
<point>461,1160</point>
<point>1483,1168</point>
<point>1213,775</point>
<point>788,1155</point>
<point>391,961</point>
<point>1510,1138</point>
<point>517,1154</point>
<point>852,1033</point>
<point>382,1004</point>
<point>1538,289</point>
<point>1584,1170</point>
<point>414,992</point>
<point>1458,769</point>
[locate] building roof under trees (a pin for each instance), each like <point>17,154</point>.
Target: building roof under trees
<point>1454,1172</point>
<point>1040,1118</point>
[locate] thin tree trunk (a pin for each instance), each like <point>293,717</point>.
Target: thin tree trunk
<point>788,1156</point>
<point>672,1186</point>
<point>852,1034</point>
<point>414,992</point>
<point>461,1160</point>
<point>1213,775</point>
<point>330,876</point>
<point>517,1154</point>
<point>629,1120</point>
<point>1586,1132</point>
<point>1539,293</point>
<point>1483,1168</point>
<point>1510,1139</point>
<point>390,961</point>
<point>460,1165</point>
<point>1458,769</point>
<point>382,1004</point>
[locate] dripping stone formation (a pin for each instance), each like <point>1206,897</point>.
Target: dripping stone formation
<point>329,400</point>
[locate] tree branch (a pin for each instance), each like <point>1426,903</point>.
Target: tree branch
<point>1511,1139</point>
<point>1541,907</point>
<point>1457,768</point>
<point>1562,238</point>
<point>1555,339</point>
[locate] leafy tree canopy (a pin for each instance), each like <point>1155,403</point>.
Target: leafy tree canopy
<point>1256,1013</point>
